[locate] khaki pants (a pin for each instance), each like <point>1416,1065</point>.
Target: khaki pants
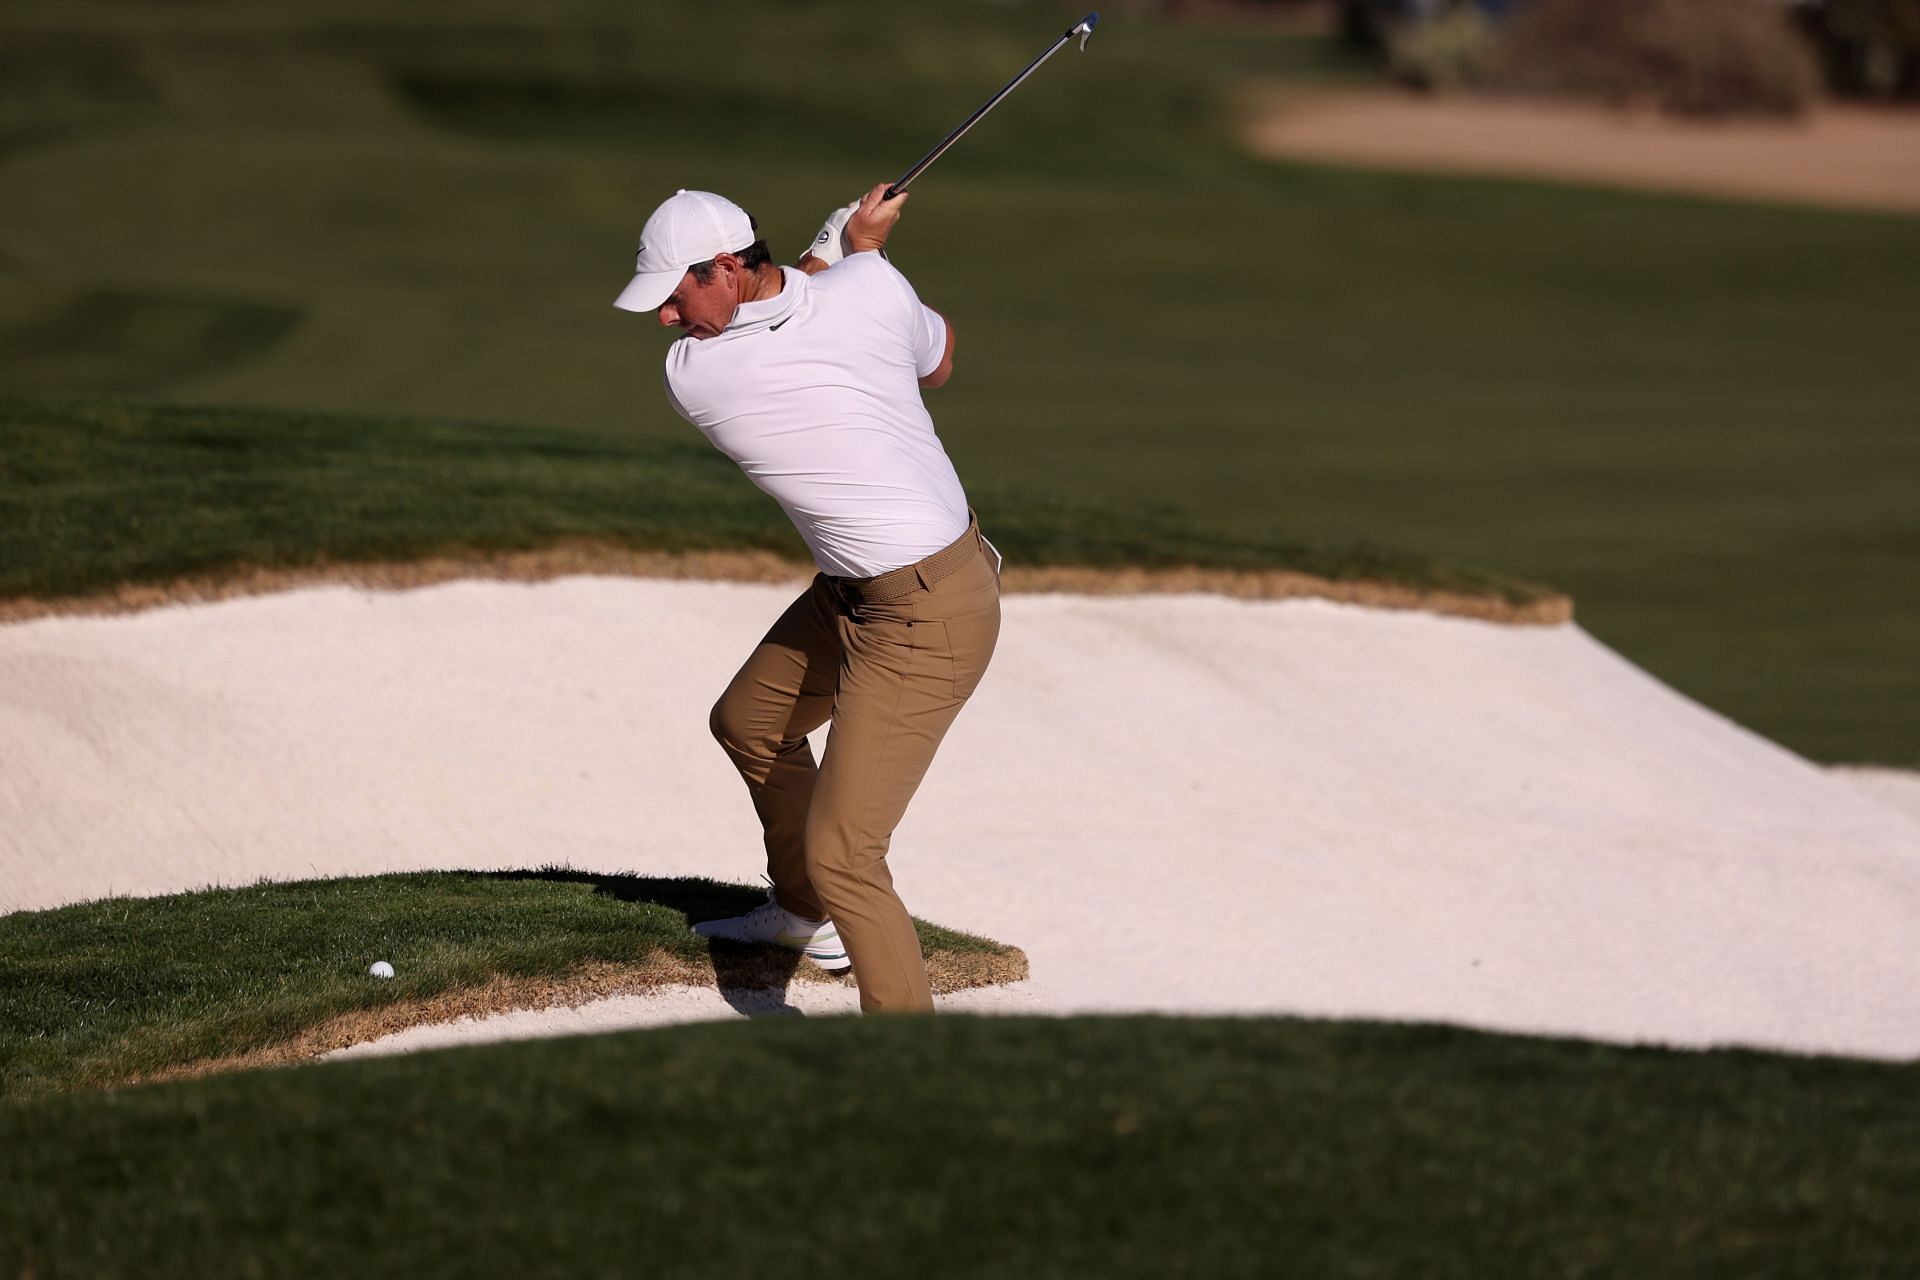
<point>890,660</point>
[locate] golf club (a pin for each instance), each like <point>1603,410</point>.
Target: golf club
<point>1082,28</point>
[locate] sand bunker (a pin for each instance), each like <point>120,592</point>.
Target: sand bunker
<point>1854,157</point>
<point>1182,803</point>
<point>1896,788</point>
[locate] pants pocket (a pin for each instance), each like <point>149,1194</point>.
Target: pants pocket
<point>970,641</point>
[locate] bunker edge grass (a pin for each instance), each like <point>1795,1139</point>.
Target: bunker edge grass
<point>102,992</point>
<point>95,494</point>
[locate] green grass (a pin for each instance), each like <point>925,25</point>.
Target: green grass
<point>105,991</point>
<point>963,1147</point>
<point>58,83</point>
<point>126,340</point>
<point>97,493</point>
<point>1697,418</point>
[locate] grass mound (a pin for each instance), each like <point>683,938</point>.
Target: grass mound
<point>96,494</point>
<point>102,992</point>
<point>974,1147</point>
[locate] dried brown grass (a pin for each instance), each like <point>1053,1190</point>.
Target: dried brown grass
<point>748,968</point>
<point>596,559</point>
<point>1283,584</point>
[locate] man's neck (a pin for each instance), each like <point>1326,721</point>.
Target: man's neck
<point>767,282</point>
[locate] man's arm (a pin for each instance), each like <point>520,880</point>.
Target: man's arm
<point>868,228</point>
<point>863,227</point>
<point>938,378</point>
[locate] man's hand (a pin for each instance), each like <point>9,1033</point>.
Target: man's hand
<point>830,245</point>
<point>872,222</point>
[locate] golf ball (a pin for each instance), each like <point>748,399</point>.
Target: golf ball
<point>381,969</point>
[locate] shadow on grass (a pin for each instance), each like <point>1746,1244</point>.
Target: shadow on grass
<point>752,979</point>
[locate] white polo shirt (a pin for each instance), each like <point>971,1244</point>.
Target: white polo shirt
<point>815,393</point>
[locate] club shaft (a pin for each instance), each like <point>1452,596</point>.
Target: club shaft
<point>975,118</point>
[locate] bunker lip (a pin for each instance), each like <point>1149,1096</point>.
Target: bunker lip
<point>593,559</point>
<point>751,971</point>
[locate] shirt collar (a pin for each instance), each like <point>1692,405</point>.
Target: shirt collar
<point>769,311</point>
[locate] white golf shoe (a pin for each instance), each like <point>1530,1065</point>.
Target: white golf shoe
<point>772,923</point>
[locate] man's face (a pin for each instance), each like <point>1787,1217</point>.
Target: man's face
<point>702,310</point>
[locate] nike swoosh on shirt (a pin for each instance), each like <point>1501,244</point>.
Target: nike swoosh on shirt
<point>772,327</point>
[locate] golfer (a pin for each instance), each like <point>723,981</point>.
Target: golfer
<point>809,378</point>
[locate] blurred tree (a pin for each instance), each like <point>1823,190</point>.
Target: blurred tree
<point>1869,47</point>
<point>1865,47</point>
<point>1688,57</point>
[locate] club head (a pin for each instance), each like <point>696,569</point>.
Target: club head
<point>1084,28</point>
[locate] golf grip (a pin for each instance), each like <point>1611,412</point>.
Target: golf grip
<point>1077,28</point>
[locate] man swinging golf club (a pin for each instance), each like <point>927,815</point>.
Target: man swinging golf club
<point>809,378</point>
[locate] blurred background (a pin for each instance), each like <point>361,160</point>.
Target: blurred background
<point>1305,270</point>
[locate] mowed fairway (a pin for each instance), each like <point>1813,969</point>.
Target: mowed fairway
<point>1699,419</point>
<point>985,1147</point>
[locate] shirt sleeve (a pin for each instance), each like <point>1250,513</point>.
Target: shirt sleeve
<point>673,397</point>
<point>926,331</point>
<point>930,339</point>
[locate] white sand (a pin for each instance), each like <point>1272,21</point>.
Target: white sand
<point>675,1005</point>
<point>1172,803</point>
<point>1898,788</point>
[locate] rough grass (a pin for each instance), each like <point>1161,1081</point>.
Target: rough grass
<point>129,340</point>
<point>103,992</point>
<point>986,1147</point>
<point>97,494</point>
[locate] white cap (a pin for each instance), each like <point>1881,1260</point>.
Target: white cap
<point>688,227</point>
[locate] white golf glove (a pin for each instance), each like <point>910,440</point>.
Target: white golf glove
<point>831,244</point>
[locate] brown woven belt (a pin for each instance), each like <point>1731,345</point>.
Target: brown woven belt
<point>897,584</point>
